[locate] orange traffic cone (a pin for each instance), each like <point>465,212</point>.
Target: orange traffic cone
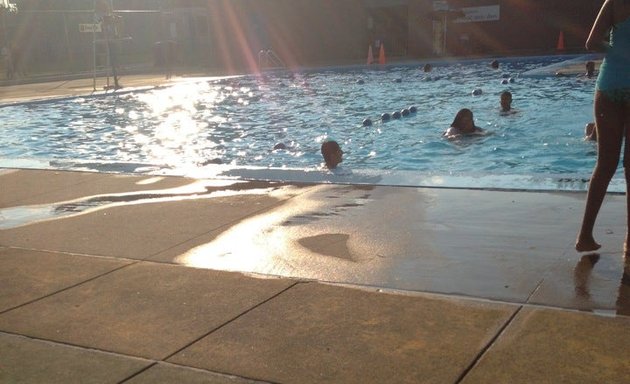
<point>381,54</point>
<point>560,46</point>
<point>370,58</point>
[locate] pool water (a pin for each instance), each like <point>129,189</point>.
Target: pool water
<point>235,122</point>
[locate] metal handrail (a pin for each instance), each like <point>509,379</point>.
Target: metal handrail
<point>267,58</point>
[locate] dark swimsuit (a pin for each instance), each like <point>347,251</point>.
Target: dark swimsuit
<point>614,73</point>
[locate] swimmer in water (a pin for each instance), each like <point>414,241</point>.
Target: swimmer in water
<point>590,69</point>
<point>332,153</point>
<point>463,125</point>
<point>590,133</point>
<point>506,101</point>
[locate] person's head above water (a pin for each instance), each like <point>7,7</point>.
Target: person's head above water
<point>332,153</point>
<point>590,132</point>
<point>494,64</point>
<point>590,68</point>
<point>463,125</point>
<point>506,101</point>
<point>464,121</point>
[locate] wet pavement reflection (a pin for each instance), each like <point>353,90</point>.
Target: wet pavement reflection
<point>582,278</point>
<point>13,217</point>
<point>410,239</point>
<point>505,246</point>
<point>316,235</point>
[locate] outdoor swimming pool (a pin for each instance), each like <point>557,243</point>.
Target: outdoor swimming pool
<point>229,127</point>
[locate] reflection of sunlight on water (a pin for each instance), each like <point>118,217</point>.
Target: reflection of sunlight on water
<point>179,97</point>
<point>175,140</point>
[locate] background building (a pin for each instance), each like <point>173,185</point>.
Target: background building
<point>227,35</point>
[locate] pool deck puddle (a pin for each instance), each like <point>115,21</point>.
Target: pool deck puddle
<point>13,217</point>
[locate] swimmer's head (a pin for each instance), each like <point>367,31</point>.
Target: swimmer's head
<point>332,153</point>
<point>590,68</point>
<point>506,101</point>
<point>590,132</point>
<point>464,120</point>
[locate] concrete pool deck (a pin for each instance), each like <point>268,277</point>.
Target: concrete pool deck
<point>112,278</point>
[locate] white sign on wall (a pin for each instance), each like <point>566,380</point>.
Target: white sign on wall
<point>440,5</point>
<point>479,14</point>
<point>90,28</point>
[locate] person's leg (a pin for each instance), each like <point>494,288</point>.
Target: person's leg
<point>609,120</point>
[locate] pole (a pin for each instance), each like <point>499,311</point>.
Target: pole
<point>6,42</point>
<point>112,52</point>
<point>94,20</point>
<point>444,35</point>
<point>67,35</point>
<point>5,38</point>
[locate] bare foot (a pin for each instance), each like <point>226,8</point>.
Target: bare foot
<point>586,245</point>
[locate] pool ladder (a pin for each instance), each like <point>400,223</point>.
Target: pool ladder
<point>267,59</point>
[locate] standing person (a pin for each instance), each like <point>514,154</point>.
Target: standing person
<point>170,56</point>
<point>8,62</point>
<point>612,112</point>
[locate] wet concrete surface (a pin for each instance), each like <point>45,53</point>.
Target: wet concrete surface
<point>416,239</point>
<point>401,238</point>
<point>333,283</point>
